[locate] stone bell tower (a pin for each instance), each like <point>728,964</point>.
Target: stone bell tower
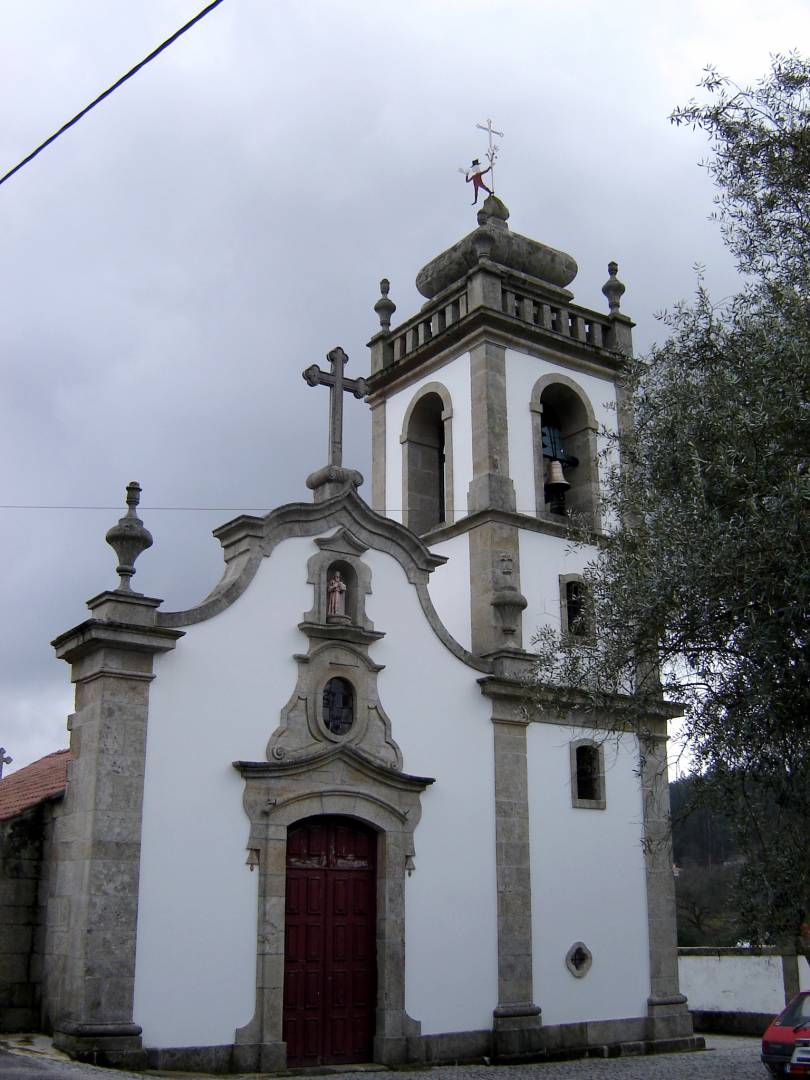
<point>486,409</point>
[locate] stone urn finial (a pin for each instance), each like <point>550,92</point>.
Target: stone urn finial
<point>129,538</point>
<point>385,307</point>
<point>613,288</point>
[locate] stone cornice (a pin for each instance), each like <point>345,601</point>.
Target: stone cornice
<point>556,702</point>
<point>511,331</point>
<point>548,524</point>
<point>96,634</point>
<point>349,755</point>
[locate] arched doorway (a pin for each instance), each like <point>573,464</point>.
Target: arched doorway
<point>330,963</point>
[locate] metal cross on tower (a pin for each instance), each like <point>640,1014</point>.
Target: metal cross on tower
<point>492,153</point>
<point>338,385</point>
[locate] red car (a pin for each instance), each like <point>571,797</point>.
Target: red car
<point>779,1041</point>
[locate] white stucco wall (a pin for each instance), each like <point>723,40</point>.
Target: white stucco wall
<point>441,722</point>
<point>450,588</point>
<point>543,559</point>
<point>588,883</point>
<point>217,699</point>
<point>719,983</point>
<point>455,377</point>
<point>522,372</point>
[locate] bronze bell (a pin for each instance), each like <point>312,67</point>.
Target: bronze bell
<point>556,487</point>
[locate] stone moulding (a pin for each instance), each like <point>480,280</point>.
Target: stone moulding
<point>247,540</point>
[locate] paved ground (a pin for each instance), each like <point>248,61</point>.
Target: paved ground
<point>727,1058</point>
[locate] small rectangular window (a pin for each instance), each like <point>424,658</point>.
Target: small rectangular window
<point>575,604</point>
<point>576,618</point>
<point>587,775</point>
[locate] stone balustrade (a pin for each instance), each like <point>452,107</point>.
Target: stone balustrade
<point>413,334</point>
<point>535,308</point>
<point>569,321</point>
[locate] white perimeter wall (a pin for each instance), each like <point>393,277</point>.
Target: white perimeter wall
<point>217,699</point>
<point>449,588</point>
<point>733,983</point>
<point>588,883</point>
<point>442,723</point>
<point>522,372</point>
<point>455,377</point>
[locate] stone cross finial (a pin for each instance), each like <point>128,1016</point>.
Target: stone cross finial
<point>338,385</point>
<point>129,538</point>
<point>4,760</point>
<point>492,153</point>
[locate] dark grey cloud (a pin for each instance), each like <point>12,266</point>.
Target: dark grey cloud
<point>171,264</point>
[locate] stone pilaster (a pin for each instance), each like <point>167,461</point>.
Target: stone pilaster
<point>517,1030</point>
<point>666,1005</point>
<point>378,457</point>
<point>93,892</point>
<point>491,487</point>
<point>494,546</point>
<point>496,603</point>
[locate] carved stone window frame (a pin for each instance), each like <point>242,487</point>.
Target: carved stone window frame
<point>326,731</point>
<point>588,460</point>
<point>340,782</point>
<point>405,441</point>
<point>579,959</point>
<point>586,636</point>
<point>600,802</point>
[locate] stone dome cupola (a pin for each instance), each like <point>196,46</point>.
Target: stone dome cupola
<point>493,242</point>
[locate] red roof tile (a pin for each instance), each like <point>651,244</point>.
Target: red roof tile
<point>33,784</point>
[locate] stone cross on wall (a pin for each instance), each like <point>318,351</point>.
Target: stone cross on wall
<point>338,385</point>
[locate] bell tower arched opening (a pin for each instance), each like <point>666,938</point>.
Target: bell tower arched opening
<point>427,461</point>
<point>566,478</point>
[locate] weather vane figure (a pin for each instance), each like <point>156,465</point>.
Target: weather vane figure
<point>476,172</point>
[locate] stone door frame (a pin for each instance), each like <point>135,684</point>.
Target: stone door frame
<point>343,783</point>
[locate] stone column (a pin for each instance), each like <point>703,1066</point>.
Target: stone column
<point>93,889</point>
<point>669,1017</point>
<point>517,1030</point>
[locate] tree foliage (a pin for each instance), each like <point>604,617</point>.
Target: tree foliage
<point>701,590</point>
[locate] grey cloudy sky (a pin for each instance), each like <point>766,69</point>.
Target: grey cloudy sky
<point>172,263</point>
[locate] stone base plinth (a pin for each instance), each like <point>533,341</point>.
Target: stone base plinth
<point>114,1045</point>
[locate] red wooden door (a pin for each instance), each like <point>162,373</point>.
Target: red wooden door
<point>330,934</point>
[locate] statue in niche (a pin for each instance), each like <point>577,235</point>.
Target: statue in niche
<point>336,595</point>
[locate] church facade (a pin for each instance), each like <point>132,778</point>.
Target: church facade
<point>325,816</point>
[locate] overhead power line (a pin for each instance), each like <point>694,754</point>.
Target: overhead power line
<point>110,89</point>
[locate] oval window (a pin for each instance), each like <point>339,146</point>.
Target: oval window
<point>338,706</point>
